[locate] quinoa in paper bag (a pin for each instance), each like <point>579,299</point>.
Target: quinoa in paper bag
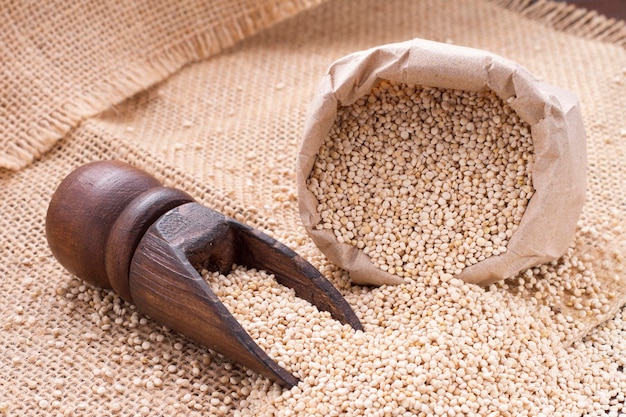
<point>557,169</point>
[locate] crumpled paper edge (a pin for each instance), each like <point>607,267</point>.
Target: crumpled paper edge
<point>559,171</point>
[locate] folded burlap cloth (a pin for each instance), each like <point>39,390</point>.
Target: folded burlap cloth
<point>211,99</point>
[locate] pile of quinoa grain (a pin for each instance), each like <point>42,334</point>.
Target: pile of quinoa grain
<point>434,346</point>
<point>450,349</point>
<point>424,179</point>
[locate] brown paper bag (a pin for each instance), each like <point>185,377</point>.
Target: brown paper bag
<point>558,174</point>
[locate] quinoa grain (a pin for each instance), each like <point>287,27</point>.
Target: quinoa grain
<point>422,353</point>
<point>432,344</point>
<point>424,180</point>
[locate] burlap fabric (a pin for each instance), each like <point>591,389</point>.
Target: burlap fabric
<point>91,81</point>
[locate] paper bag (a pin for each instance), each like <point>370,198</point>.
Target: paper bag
<point>558,173</point>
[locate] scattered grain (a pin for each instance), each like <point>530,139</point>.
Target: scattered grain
<point>424,355</point>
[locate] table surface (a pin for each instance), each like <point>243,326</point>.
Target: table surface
<point>610,8</point>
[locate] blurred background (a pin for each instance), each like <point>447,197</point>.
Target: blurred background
<point>609,8</point>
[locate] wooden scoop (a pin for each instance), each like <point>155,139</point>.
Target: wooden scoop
<point>116,226</point>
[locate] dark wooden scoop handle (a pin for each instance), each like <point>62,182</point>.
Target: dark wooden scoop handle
<point>98,215</point>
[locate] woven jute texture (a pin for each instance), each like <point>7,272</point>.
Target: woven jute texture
<point>211,98</point>
<point>63,62</point>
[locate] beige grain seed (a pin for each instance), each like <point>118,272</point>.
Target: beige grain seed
<point>455,171</point>
<point>383,361</point>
